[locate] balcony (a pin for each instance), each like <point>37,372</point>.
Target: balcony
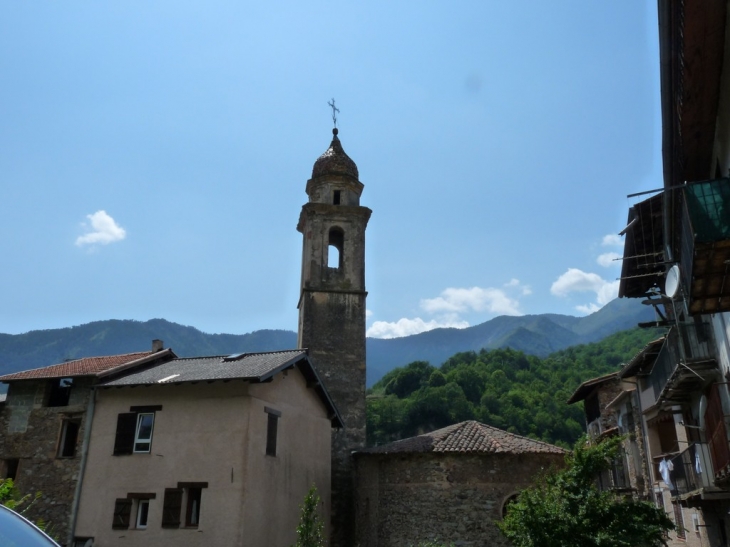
<point>692,471</point>
<point>682,365</point>
<point>703,209</point>
<point>616,477</point>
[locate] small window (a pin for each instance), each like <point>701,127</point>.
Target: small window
<point>10,468</point>
<point>143,511</point>
<point>336,197</point>
<point>60,392</point>
<point>134,430</point>
<point>83,541</point>
<point>69,438</point>
<point>192,511</point>
<point>143,435</point>
<point>271,431</point>
<point>122,511</point>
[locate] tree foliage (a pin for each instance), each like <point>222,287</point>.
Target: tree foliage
<point>505,388</point>
<point>565,509</point>
<point>310,532</point>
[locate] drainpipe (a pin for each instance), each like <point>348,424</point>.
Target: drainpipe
<point>84,452</point>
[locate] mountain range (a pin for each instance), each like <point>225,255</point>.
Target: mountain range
<point>533,334</point>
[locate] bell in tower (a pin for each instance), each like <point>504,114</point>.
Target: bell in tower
<point>332,311</point>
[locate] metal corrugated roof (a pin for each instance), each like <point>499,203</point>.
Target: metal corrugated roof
<point>247,366</point>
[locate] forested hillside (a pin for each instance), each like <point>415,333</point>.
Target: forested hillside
<point>505,388</point>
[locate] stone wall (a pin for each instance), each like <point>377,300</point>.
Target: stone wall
<point>403,499</point>
<point>30,432</point>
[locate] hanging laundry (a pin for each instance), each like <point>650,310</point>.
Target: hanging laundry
<point>665,467</point>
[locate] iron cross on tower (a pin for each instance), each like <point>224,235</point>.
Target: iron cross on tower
<point>335,110</point>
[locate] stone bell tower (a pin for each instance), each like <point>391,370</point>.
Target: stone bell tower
<point>332,312</point>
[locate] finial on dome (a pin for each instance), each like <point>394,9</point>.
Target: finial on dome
<point>335,131</point>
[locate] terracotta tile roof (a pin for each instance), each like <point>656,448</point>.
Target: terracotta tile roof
<point>469,437</point>
<point>87,366</point>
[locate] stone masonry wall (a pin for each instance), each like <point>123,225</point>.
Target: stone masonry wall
<point>30,432</point>
<point>405,499</point>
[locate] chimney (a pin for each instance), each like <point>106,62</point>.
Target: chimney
<point>157,345</point>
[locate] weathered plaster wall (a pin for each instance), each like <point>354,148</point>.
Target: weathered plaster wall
<point>30,432</point>
<point>214,433</point>
<point>405,499</point>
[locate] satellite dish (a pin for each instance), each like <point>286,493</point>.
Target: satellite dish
<point>671,285</point>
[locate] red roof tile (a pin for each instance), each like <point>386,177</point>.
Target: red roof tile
<point>88,366</point>
<point>468,437</point>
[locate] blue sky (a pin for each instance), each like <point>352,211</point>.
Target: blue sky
<point>154,155</point>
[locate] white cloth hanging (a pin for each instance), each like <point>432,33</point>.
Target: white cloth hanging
<point>698,464</point>
<point>665,467</point>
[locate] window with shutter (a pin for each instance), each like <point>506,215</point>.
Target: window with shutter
<point>171,507</point>
<point>122,510</point>
<point>126,429</point>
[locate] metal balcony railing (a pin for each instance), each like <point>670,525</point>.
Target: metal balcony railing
<point>692,470</point>
<point>686,345</point>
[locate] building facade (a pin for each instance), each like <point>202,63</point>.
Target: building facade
<point>44,428</point>
<point>207,451</point>
<point>449,486</point>
<point>676,256</point>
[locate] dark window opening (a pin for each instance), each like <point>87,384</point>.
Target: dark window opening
<point>506,503</point>
<point>271,431</point>
<point>60,392</point>
<point>192,510</point>
<point>336,197</point>
<point>143,511</point>
<point>69,437</point>
<point>592,408</point>
<point>10,468</point>
<point>122,510</point>
<point>336,244</point>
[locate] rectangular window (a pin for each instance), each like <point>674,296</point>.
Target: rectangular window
<point>336,197</point>
<point>122,510</point>
<point>271,431</point>
<point>60,392</point>
<point>192,511</point>
<point>134,430</point>
<point>69,437</point>
<point>143,511</point>
<point>143,432</point>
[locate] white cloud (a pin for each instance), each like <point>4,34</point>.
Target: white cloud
<point>406,327</point>
<point>612,240</point>
<point>515,284</point>
<point>588,308</point>
<point>575,280</point>
<point>458,300</point>
<point>608,259</point>
<point>103,230</point>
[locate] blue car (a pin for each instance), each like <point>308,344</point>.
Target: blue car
<point>18,531</point>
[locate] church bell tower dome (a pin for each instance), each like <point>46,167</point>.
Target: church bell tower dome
<point>335,161</point>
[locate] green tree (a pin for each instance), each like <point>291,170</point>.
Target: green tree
<point>565,509</point>
<point>310,532</point>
